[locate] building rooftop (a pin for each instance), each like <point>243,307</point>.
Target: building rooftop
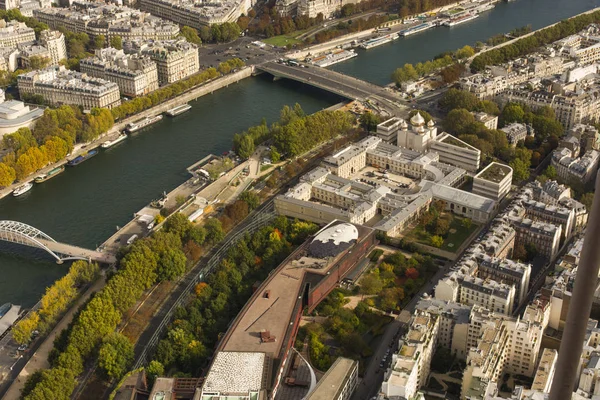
<point>236,373</point>
<point>332,383</point>
<point>279,297</point>
<point>495,172</point>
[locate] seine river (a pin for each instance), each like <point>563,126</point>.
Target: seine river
<point>84,205</point>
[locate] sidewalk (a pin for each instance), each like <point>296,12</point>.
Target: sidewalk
<point>39,360</point>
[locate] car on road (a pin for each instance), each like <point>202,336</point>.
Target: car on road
<point>22,347</point>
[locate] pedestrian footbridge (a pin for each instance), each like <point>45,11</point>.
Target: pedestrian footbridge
<point>26,235</point>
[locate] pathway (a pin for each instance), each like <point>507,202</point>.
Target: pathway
<point>39,359</point>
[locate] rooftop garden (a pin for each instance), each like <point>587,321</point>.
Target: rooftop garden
<point>494,172</point>
<point>455,142</point>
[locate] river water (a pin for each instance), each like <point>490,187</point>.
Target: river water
<point>84,205</point>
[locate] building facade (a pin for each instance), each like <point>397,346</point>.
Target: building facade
<point>175,59</point>
<point>60,86</point>
<point>494,181</point>
<point>135,75</point>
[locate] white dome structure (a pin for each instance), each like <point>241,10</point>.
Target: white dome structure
<point>417,120</point>
<point>430,124</point>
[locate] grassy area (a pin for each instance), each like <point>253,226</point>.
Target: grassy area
<point>283,40</point>
<point>457,234</point>
<point>457,238</point>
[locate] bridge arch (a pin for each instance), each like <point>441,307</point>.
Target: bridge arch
<point>20,233</point>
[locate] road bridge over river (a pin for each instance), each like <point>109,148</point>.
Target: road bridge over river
<point>343,85</point>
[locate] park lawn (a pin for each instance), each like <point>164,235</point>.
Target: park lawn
<point>452,242</point>
<point>457,238</point>
<point>283,40</point>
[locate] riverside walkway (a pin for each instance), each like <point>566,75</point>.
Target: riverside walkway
<point>340,84</point>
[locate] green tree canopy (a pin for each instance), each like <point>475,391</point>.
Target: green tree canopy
<point>115,355</point>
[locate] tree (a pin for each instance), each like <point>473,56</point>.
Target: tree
<point>454,98</point>
<point>412,273</point>
<point>251,198</point>
<point>178,224</point>
<point>458,121</point>
<point>23,329</point>
<point>38,62</point>
<point>466,223</point>
<point>7,175</point>
<point>99,42</point>
<point>511,112</point>
<point>550,172</point>
<point>370,284</point>
<point>275,156</point>
<point>190,34</point>
<point>369,121</point>
<point>116,42</point>
<point>245,146</point>
<point>197,234</point>
<point>465,52</point>
<point>154,370</point>
<point>391,297</point>
<point>214,231</point>
<point>171,265</point>
<point>115,355</point>
<point>436,241</point>
<point>520,169</point>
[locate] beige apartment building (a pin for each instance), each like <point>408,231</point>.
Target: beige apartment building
<point>175,59</point>
<point>135,75</point>
<point>14,32</point>
<point>197,14</point>
<point>60,86</point>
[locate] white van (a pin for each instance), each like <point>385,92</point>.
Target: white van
<point>132,239</point>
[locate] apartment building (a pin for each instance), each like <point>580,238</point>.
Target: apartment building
<point>14,32</point>
<point>499,345</point>
<point>490,121</point>
<point>550,192</point>
<point>543,236</point>
<point>135,75</point>
<point>588,136</point>
<point>494,181</point>
<point>454,321</point>
<point>470,290</point>
<point>54,41</point>
<point>498,242</point>
<point>195,13</point>
<point>409,368</point>
<point>60,86</point>
<point>565,217</point>
<point>515,132</point>
<point>108,20</point>
<point>571,107</point>
<point>572,168</point>
<point>175,59</point>
<point>584,47</point>
<point>328,8</point>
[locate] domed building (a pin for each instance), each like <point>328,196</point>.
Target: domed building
<point>419,135</point>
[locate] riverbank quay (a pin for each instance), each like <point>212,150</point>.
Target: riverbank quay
<point>395,26</point>
<point>191,189</point>
<point>193,94</point>
<point>511,41</point>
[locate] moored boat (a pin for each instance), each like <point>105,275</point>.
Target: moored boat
<point>79,159</point>
<point>22,189</point>
<point>178,110</point>
<point>137,125</point>
<point>110,143</point>
<point>51,174</point>
<point>461,19</point>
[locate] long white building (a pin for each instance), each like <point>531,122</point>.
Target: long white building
<point>60,86</point>
<point>108,20</point>
<point>196,13</point>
